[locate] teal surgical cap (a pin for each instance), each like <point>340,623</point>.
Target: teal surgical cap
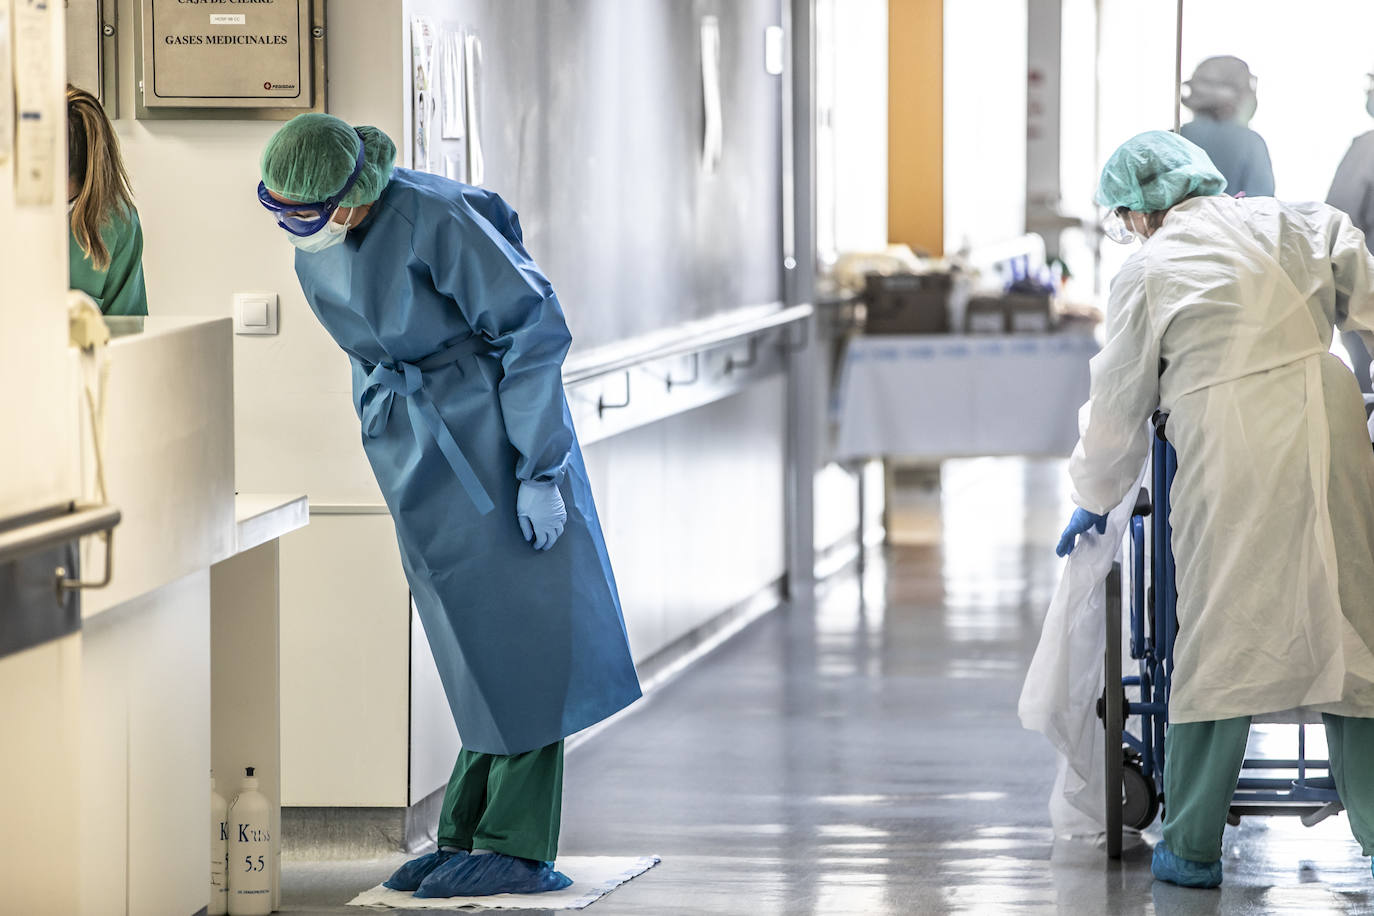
<point>312,155</point>
<point>1154,171</point>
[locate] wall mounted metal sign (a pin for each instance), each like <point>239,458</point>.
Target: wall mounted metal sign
<point>235,54</point>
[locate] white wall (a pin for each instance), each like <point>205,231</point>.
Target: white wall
<point>985,122</point>
<point>851,137</point>
<point>692,511</point>
<point>1136,87</point>
<point>1078,160</point>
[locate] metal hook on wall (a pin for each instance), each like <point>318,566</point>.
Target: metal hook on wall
<point>66,584</point>
<point>602,406</point>
<point>731,363</point>
<point>696,374</point>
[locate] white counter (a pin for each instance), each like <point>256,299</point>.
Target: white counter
<point>263,517</point>
<point>169,455</point>
<point>179,653</point>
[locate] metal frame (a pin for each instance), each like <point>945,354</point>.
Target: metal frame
<point>319,85</point>
<point>104,45</point>
<point>53,526</point>
<point>109,57</point>
<point>1154,630</point>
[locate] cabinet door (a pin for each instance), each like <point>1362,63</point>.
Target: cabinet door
<point>40,685</point>
<point>38,415</point>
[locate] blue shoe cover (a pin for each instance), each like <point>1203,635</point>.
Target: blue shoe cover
<point>492,873</point>
<point>410,875</point>
<point>1184,872</point>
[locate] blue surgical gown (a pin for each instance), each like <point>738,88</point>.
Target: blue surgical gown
<point>1238,152</point>
<point>457,342</point>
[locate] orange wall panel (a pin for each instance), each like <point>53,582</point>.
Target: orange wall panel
<point>915,204</point>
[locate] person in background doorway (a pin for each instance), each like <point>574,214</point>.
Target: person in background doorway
<point>1222,97</point>
<point>1352,190</point>
<point>106,239</point>
<point>457,340</point>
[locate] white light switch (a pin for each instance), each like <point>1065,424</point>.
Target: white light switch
<point>255,313</point>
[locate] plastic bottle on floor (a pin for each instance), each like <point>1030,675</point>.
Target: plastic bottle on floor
<point>219,848</point>
<point>250,851</point>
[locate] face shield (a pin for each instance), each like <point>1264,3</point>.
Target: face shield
<point>1114,227</point>
<point>304,219</point>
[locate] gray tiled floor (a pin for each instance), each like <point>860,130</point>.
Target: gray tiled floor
<point>864,756</point>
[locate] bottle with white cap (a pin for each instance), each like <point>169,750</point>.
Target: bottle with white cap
<point>250,851</point>
<point>219,848</point>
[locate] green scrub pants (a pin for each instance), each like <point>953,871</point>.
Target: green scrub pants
<point>511,805</point>
<point>1202,764</point>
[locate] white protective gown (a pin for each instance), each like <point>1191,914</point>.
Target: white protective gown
<point>1224,319</point>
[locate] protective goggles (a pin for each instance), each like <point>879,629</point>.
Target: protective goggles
<point>1114,227</point>
<point>308,218</point>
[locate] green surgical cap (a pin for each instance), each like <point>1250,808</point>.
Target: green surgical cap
<point>313,154</point>
<point>1154,171</point>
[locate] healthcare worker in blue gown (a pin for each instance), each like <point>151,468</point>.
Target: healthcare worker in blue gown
<point>456,342</point>
<point>1222,97</point>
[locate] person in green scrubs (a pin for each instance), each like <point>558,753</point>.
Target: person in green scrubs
<point>105,239</point>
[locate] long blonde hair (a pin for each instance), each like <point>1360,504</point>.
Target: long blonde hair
<point>94,164</point>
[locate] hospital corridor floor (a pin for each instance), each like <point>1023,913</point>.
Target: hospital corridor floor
<point>863,755</point>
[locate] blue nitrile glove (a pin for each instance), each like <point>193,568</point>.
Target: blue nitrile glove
<point>539,506</point>
<point>1080,523</point>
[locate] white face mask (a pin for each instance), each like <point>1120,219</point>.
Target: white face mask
<point>332,234</point>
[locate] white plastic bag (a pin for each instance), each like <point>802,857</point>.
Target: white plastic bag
<point>1059,698</point>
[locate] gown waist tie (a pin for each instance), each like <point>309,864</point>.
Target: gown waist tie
<point>408,381</point>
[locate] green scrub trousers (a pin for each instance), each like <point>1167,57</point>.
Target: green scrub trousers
<point>511,805</point>
<point>1202,764</point>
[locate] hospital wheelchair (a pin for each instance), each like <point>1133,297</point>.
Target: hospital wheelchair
<point>1134,708</point>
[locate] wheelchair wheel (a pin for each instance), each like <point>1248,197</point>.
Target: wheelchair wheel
<point>1139,800</point>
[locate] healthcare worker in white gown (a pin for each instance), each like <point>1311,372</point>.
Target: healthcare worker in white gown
<point>1223,318</point>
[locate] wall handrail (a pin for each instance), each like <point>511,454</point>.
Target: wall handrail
<point>691,343</point>
<point>36,531</point>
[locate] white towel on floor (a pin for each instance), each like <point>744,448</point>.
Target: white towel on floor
<point>593,878</point>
